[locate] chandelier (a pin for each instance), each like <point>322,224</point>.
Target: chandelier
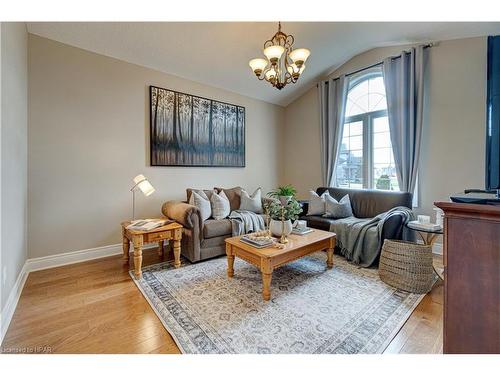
<point>284,64</point>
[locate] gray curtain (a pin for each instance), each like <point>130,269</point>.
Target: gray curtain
<point>404,86</point>
<point>332,98</point>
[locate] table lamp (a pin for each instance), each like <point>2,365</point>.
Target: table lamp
<point>144,185</point>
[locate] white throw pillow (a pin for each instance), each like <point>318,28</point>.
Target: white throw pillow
<point>338,209</point>
<point>252,203</point>
<point>200,200</point>
<point>317,205</point>
<point>220,205</point>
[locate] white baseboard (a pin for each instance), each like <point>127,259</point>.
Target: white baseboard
<point>51,261</point>
<point>58,260</point>
<point>10,306</point>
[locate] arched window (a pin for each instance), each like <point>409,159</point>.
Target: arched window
<point>366,159</point>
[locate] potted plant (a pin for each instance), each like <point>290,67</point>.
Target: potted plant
<point>281,216</point>
<point>283,193</point>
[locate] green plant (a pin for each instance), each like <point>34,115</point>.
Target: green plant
<point>384,182</point>
<point>283,191</point>
<point>290,211</point>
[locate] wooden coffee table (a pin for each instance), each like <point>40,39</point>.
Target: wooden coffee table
<point>270,258</point>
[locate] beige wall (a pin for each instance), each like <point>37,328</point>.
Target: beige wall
<point>453,143</point>
<point>89,136</point>
<point>14,128</point>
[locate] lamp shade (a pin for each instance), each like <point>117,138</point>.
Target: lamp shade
<point>273,53</point>
<point>144,185</point>
<point>258,65</point>
<point>293,69</point>
<point>299,56</point>
<point>270,74</point>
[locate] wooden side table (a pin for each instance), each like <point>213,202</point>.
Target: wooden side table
<point>171,232</point>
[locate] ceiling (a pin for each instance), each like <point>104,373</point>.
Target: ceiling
<point>217,53</point>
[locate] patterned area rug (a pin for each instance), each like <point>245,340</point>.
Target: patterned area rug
<point>312,310</point>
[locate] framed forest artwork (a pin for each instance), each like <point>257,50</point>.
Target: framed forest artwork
<point>190,131</point>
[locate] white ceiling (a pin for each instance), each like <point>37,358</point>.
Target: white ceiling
<point>217,53</point>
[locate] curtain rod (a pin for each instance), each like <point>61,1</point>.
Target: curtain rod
<point>429,45</point>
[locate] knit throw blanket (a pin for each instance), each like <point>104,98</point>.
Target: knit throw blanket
<point>360,240</point>
<point>243,222</point>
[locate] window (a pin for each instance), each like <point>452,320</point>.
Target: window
<point>366,159</point>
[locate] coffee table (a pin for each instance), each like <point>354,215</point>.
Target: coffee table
<point>269,258</point>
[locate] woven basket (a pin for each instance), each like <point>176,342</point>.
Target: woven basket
<point>407,266</point>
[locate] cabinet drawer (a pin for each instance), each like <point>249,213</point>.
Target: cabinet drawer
<point>152,237</point>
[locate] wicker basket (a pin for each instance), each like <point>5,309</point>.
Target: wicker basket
<point>407,266</point>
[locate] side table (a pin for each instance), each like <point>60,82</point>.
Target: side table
<point>428,236</point>
<point>171,232</point>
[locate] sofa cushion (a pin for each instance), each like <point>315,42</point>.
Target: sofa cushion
<point>234,196</point>
<point>220,206</point>
<point>252,202</point>
<point>337,209</point>
<point>201,201</point>
<point>216,228</point>
<point>318,222</point>
<point>317,204</point>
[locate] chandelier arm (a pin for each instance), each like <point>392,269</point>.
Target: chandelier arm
<point>289,43</point>
<point>263,74</point>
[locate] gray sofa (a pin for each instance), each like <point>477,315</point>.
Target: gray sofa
<point>202,240</point>
<point>366,204</point>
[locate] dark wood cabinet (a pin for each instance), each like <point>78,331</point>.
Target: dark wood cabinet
<point>472,278</point>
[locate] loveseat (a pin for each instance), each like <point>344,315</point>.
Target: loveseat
<point>202,239</point>
<point>366,204</point>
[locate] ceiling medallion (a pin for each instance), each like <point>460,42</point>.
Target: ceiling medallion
<point>284,64</point>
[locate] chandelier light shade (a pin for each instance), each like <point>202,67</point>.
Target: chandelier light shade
<point>299,56</point>
<point>284,64</point>
<point>258,65</point>
<point>273,53</point>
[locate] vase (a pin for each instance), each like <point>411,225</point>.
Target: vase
<point>276,227</point>
<point>284,199</point>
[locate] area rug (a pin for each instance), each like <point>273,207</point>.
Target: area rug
<point>312,310</point>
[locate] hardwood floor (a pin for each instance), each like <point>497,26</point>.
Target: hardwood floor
<point>95,307</point>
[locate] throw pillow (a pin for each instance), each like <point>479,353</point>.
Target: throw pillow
<point>252,202</point>
<point>189,191</point>
<point>220,206</point>
<point>200,200</point>
<point>316,203</point>
<point>234,196</point>
<point>338,210</point>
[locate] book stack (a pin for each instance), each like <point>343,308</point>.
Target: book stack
<point>148,224</point>
<point>431,227</point>
<point>301,231</point>
<point>255,241</point>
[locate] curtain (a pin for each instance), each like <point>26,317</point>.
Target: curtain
<point>404,86</point>
<point>332,99</point>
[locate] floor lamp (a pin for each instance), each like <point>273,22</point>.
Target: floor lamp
<point>141,183</point>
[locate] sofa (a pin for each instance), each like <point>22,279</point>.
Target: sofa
<point>202,239</point>
<point>366,204</point>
